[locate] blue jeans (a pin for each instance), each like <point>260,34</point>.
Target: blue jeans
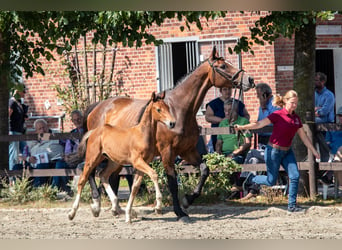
<point>40,181</point>
<point>61,182</point>
<point>274,158</point>
<point>14,149</point>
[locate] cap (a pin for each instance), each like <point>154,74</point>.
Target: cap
<point>339,111</point>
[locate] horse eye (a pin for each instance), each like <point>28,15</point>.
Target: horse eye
<point>223,66</point>
<point>158,110</point>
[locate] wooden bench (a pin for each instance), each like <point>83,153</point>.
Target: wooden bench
<point>309,166</point>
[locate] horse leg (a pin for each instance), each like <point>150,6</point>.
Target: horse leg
<point>135,188</point>
<point>95,194</point>
<point>169,165</point>
<point>104,176</point>
<point>195,159</point>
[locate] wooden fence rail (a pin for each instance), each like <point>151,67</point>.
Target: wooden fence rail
<point>309,165</point>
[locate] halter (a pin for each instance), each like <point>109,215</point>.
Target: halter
<point>235,86</point>
<point>225,75</point>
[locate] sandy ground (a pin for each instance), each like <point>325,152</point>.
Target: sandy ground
<point>220,221</point>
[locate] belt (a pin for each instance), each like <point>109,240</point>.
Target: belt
<point>278,147</point>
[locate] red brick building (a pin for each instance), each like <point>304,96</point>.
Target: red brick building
<point>139,71</point>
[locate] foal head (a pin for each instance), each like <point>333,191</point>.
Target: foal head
<point>161,111</point>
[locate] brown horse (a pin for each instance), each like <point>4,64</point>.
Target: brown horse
<point>125,146</point>
<point>184,101</point>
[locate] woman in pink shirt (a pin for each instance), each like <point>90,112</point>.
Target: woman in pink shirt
<point>286,123</point>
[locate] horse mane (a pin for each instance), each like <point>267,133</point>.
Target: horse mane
<point>183,78</point>
<point>142,111</point>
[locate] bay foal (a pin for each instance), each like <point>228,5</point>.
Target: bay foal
<point>124,146</point>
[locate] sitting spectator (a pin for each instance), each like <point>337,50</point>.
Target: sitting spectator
<point>334,142</point>
<point>44,155</point>
<point>324,113</point>
<point>70,147</point>
<point>234,145</point>
<point>214,113</point>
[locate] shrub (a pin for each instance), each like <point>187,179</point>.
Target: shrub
<point>216,187</point>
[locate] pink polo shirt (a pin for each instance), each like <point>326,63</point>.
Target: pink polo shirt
<point>285,126</point>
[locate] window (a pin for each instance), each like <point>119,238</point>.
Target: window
<point>175,60</point>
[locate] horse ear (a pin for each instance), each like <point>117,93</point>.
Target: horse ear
<point>214,55</point>
<point>162,95</point>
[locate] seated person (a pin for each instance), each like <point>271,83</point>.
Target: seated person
<point>70,148</point>
<point>45,155</point>
<point>233,145</point>
<point>334,142</point>
<point>214,113</point>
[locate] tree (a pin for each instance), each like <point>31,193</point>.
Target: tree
<point>27,36</point>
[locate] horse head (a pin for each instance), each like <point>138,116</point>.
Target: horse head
<point>161,111</point>
<point>224,74</point>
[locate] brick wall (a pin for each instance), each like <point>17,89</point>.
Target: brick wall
<point>135,68</point>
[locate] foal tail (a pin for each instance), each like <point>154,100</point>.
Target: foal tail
<point>78,157</point>
<point>82,147</point>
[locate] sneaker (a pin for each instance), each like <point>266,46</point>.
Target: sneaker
<point>295,209</point>
<point>324,180</point>
<point>248,181</point>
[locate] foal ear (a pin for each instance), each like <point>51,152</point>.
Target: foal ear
<point>154,97</point>
<point>214,54</point>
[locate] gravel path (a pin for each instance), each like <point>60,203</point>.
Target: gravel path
<point>220,221</point>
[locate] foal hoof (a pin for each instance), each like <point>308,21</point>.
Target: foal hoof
<point>71,216</point>
<point>184,219</point>
<point>134,214</point>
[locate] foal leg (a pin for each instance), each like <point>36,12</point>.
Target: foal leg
<point>93,158</point>
<point>81,182</point>
<point>135,188</point>
<point>142,166</point>
<point>104,175</point>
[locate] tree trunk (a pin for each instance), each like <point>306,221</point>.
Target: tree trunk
<point>303,78</point>
<point>4,95</point>
<point>304,71</point>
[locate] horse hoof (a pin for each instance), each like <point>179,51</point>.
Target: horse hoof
<point>184,219</point>
<point>95,211</point>
<point>158,211</point>
<point>115,213</point>
<point>185,202</point>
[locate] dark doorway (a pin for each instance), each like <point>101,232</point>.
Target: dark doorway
<point>325,64</point>
<point>178,61</point>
